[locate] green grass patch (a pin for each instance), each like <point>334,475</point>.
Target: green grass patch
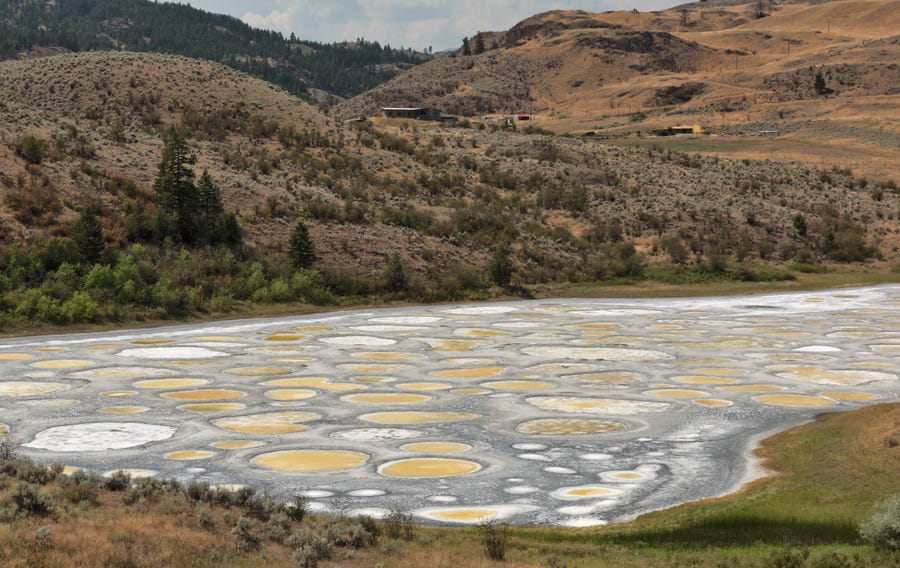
<point>829,476</point>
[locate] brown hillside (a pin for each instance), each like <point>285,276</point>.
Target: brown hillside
<point>117,105</point>
<point>622,74</point>
<point>440,196</point>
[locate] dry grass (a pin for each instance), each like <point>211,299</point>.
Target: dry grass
<point>757,75</point>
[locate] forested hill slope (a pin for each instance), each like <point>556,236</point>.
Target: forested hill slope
<point>301,67</point>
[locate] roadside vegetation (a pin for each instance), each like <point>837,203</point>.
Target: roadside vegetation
<point>832,502</point>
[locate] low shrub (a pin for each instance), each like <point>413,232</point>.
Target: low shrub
<point>495,538</point>
<point>787,558</point>
<point>298,507</point>
<point>883,528</point>
<point>243,531</point>
<point>29,499</point>
<point>81,492</point>
<point>398,525</point>
<point>117,481</point>
<point>30,148</point>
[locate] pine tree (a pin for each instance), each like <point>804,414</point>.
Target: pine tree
<point>479,44</point>
<point>210,205</point>
<point>819,84</point>
<point>301,248</point>
<point>174,186</point>
<point>395,275</point>
<point>466,50</point>
<point>208,196</point>
<point>87,234</point>
<point>501,267</point>
<point>799,224</point>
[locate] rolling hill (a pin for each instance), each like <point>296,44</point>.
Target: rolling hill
<point>438,211</point>
<point>719,65</point>
<point>438,194</point>
<point>324,72</point>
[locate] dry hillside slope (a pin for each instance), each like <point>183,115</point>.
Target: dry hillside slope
<point>440,196</point>
<point>720,66</point>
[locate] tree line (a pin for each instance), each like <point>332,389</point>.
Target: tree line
<point>343,69</point>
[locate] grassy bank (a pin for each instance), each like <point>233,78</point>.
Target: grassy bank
<point>828,476</point>
<point>835,277</point>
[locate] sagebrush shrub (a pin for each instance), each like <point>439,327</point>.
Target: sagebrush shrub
<point>495,538</point>
<point>883,528</point>
<point>29,499</point>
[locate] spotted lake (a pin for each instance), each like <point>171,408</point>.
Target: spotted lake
<point>555,412</point>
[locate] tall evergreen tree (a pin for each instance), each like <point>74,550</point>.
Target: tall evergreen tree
<point>799,224</point>
<point>208,196</point>
<point>394,275</point>
<point>501,267</point>
<point>301,248</point>
<point>467,50</point>
<point>479,44</point>
<point>174,186</point>
<point>819,84</point>
<point>87,234</point>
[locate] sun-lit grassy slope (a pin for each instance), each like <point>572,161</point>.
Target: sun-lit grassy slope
<point>860,19</point>
<point>111,109</point>
<point>608,74</point>
<point>103,117</point>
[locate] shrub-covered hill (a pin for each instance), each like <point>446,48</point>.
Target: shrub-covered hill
<point>821,74</point>
<point>401,208</point>
<point>301,67</point>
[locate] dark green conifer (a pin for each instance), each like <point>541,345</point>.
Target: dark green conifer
<point>301,248</point>
<point>209,197</point>
<point>395,275</point>
<point>174,186</point>
<point>479,44</point>
<point>87,234</point>
<point>501,267</point>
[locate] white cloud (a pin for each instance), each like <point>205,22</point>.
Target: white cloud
<point>282,21</point>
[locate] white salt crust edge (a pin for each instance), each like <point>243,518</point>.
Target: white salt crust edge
<point>99,436</point>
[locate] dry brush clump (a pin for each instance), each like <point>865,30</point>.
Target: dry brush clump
<point>882,529</point>
<point>84,519</point>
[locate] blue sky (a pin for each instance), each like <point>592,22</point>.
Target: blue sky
<point>410,23</point>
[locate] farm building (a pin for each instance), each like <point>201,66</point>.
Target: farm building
<point>694,129</point>
<point>675,130</point>
<point>418,113</point>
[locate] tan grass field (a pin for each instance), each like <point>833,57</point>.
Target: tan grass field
<point>757,74</point>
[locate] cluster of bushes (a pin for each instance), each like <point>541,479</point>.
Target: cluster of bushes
<point>49,283</point>
<point>40,491</point>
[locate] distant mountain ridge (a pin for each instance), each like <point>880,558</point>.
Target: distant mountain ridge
<point>301,67</point>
